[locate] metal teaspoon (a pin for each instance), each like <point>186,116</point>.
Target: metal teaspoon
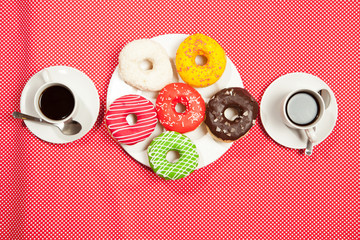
<point>70,127</point>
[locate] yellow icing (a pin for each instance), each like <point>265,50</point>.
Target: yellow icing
<point>200,75</point>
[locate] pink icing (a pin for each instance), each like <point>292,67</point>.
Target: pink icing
<point>120,129</point>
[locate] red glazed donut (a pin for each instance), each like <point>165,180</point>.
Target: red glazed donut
<point>118,126</point>
<point>172,120</point>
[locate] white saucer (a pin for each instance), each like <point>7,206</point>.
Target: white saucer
<point>88,108</point>
<point>270,110</point>
<point>209,149</point>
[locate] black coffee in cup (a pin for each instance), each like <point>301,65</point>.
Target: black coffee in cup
<point>56,102</point>
<point>302,109</point>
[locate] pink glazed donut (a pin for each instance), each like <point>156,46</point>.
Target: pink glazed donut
<point>119,127</point>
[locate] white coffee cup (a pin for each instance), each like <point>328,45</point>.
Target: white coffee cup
<point>54,101</point>
<point>303,109</point>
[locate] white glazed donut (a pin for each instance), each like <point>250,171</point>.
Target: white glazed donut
<point>153,79</point>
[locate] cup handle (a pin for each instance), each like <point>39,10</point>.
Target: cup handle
<point>45,76</point>
<point>310,133</point>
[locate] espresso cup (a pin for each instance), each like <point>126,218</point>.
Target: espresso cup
<point>303,109</point>
<point>54,101</point>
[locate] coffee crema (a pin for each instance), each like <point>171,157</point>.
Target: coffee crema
<point>56,102</point>
<point>302,109</point>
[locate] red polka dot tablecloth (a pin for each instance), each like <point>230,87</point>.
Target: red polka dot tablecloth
<point>91,188</point>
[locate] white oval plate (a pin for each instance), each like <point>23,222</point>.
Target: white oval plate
<point>209,149</point>
<point>84,88</point>
<point>270,110</point>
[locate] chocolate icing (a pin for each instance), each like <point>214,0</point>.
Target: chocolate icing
<point>239,99</point>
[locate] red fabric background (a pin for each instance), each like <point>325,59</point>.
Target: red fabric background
<point>90,188</point>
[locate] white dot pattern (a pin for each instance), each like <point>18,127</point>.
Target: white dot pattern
<point>91,189</point>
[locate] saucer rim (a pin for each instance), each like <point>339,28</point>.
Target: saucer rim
<point>52,134</point>
<point>290,79</point>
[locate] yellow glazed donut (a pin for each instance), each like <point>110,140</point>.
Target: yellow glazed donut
<point>200,75</point>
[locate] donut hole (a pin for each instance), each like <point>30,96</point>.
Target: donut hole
<point>180,108</point>
<point>146,65</point>
<point>173,156</point>
<point>131,119</point>
<point>232,113</point>
<point>201,60</point>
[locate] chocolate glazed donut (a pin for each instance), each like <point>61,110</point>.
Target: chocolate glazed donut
<point>223,128</point>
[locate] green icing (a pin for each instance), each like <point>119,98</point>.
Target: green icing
<point>172,141</point>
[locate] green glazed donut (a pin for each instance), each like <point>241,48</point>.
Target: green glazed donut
<point>172,141</point>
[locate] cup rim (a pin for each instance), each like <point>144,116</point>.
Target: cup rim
<point>319,100</point>
<point>41,90</point>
